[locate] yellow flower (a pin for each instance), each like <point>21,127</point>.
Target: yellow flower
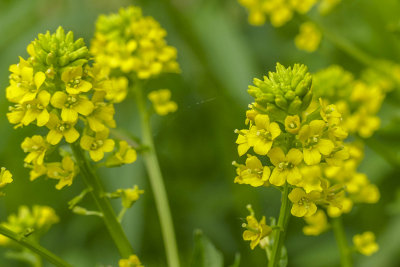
<point>102,115</point>
<point>313,142</point>
<point>280,15</point>
<point>97,145</point>
<point>285,166</point>
<point>242,141</point>
<point>311,180</point>
<point>339,206</point>
<point>302,6</point>
<point>5,177</point>
<point>118,90</point>
<point>330,113</point>
<point>24,84</point>
<point>309,37</point>
<point>253,173</point>
<point>71,105</point>
<point>336,158</point>
<point>74,83</point>
<point>133,261</point>
<point>36,146</point>
<point>255,231</point>
<point>303,203</point>
<point>60,129</point>
<point>161,102</point>
<point>37,171</point>
<point>37,109</point>
<point>16,114</point>
<point>262,134</point>
<point>130,195</point>
<point>64,171</point>
<point>365,243</point>
<point>316,224</point>
<point>125,155</point>
<point>292,124</point>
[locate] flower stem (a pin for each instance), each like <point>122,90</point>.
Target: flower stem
<point>280,232</point>
<point>96,189</point>
<point>156,181</point>
<point>33,246</point>
<point>341,240</point>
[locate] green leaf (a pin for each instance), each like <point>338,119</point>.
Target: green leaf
<point>205,254</point>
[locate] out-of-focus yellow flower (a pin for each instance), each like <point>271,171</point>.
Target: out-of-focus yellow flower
<point>253,173</point>
<point>5,177</point>
<point>365,243</point>
<point>292,124</point>
<point>130,195</point>
<point>118,89</point>
<point>316,224</point>
<point>36,146</point>
<point>308,38</point>
<point>311,178</point>
<point>132,261</point>
<point>161,102</point>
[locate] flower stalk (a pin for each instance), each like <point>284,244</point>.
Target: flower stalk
<point>341,240</point>
<point>156,181</point>
<point>280,232</point>
<point>95,187</point>
<point>35,247</point>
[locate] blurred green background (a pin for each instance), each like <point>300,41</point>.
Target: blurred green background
<point>219,54</point>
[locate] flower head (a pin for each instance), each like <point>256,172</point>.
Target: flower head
<point>253,173</point>
<point>161,102</point>
<point>365,243</point>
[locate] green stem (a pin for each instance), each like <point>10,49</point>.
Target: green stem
<point>341,240</point>
<point>280,233</point>
<point>96,189</point>
<point>156,181</point>
<point>33,246</point>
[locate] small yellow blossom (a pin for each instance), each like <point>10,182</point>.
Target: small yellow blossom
<point>303,203</point>
<point>130,195</point>
<point>132,261</point>
<point>161,102</point>
<point>118,90</point>
<point>125,155</point>
<point>60,129</point>
<point>311,135</point>
<point>253,173</point>
<point>255,231</point>
<point>102,116</point>
<point>74,83</point>
<point>71,106</point>
<point>311,180</point>
<point>36,146</point>
<point>292,124</point>
<point>97,145</point>
<point>302,6</point>
<point>37,109</point>
<point>309,37</point>
<point>285,166</point>
<point>316,224</point>
<point>262,134</point>
<point>365,243</point>
<point>5,177</point>
<point>242,141</point>
<point>64,171</point>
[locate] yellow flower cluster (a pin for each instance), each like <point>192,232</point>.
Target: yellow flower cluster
<point>280,12</point>
<point>299,143</point>
<point>309,37</point>
<point>132,261</point>
<point>56,88</point>
<point>5,177</point>
<point>365,243</point>
<point>359,101</point>
<point>133,44</point>
<point>37,221</point>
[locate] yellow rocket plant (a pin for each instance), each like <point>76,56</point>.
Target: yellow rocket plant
<point>295,142</point>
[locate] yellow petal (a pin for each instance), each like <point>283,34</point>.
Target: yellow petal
<point>43,118</point>
<point>69,115</point>
<point>86,142</point>
<point>54,137</point>
<point>277,178</point>
<point>58,100</point>
<point>96,155</point>
<point>108,145</point>
<point>40,77</point>
<point>71,135</point>
<point>311,156</point>
<point>325,146</point>
<point>276,156</point>
<point>84,107</point>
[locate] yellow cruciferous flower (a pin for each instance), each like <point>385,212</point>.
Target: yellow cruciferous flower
<point>253,173</point>
<point>303,203</point>
<point>161,102</point>
<point>285,166</point>
<point>97,145</point>
<point>262,134</point>
<point>365,243</point>
<point>132,261</point>
<point>255,230</point>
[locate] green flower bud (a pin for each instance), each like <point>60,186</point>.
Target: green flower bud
<point>289,89</point>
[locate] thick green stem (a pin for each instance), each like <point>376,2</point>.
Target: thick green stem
<point>280,232</point>
<point>341,240</point>
<point>96,189</point>
<point>33,246</point>
<point>157,183</point>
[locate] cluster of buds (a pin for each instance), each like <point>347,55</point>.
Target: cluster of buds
<point>298,142</point>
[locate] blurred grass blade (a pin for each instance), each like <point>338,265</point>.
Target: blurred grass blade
<point>205,254</point>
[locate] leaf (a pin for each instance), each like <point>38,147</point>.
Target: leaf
<point>205,254</point>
